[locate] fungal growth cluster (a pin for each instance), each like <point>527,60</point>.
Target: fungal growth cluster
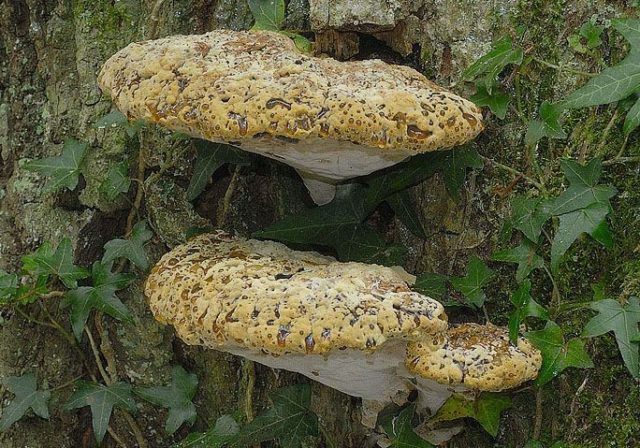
<point>329,120</point>
<point>355,327</point>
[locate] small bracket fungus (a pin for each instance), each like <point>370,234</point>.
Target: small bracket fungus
<point>478,357</point>
<point>329,120</point>
<point>343,324</point>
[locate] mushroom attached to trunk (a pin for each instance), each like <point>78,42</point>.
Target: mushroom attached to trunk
<point>329,120</point>
<point>345,325</point>
<point>471,357</point>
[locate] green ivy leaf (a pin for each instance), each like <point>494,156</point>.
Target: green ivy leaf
<point>485,409</point>
<point>329,224</point>
<point>623,321</point>
<point>478,276</point>
<point>558,354</point>
<point>58,262</point>
<point>432,285</point>
<point>529,216</point>
<point>62,170</point>
<point>268,14</point>
<point>115,119</point>
<point>548,126</point>
<point>210,157</point>
<point>117,181</point>
<point>454,167</point>
<point>400,431</point>
<point>131,249</point>
<point>27,396</point>
<point>614,83</point>
<point>101,296</point>
<point>497,101</point>
<point>8,286</point>
<point>525,307</point>
<point>101,399</point>
<point>289,420</point>
<point>632,120</point>
<point>584,189</point>
<point>221,435</point>
<point>177,397</point>
<point>405,210</point>
<point>491,64</point>
<point>524,255</point>
<point>591,33</point>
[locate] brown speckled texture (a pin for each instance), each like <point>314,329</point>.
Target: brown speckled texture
<point>217,290</point>
<point>240,86</point>
<point>478,356</point>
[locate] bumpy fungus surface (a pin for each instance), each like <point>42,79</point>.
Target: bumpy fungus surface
<point>479,357</point>
<point>330,120</point>
<point>219,291</point>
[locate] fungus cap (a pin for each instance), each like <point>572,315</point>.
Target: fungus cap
<point>479,357</point>
<point>329,120</point>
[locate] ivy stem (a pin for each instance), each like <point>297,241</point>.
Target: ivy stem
<point>617,160</point>
<point>562,69</point>
<point>228,195</point>
<point>514,171</point>
<point>66,384</point>
<point>96,354</point>
<point>605,134</point>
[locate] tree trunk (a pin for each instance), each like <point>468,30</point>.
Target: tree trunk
<point>50,53</point>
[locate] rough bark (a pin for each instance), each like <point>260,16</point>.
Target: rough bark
<point>50,52</point>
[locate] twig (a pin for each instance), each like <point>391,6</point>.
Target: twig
<point>106,348</point>
<point>621,160</point>
<point>605,134</point>
<point>514,171</point>
<point>537,425</point>
<point>67,384</point>
<point>52,295</point>
<point>562,69</point>
<point>573,406</point>
<point>115,437</point>
<point>137,202</point>
<point>142,443</point>
<point>96,354</point>
<point>154,19</point>
<point>228,195</point>
<point>249,372</point>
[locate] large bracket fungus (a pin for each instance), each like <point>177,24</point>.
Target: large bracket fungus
<point>329,120</point>
<point>355,327</point>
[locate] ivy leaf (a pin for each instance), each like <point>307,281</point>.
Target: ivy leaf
<point>524,255</point>
<point>177,397</point>
<point>623,321</point>
<point>432,285</point>
<point>478,276</point>
<point>333,224</point>
<point>115,119</point>
<point>558,354</point>
<point>131,249</point>
<point>268,14</point>
<point>454,167</point>
<point>584,189</point>
<point>58,262</point>
<point>101,399</point>
<point>62,170</point>
<point>405,210</point>
<point>491,64</point>
<point>529,215</point>
<point>617,82</point>
<point>366,246</point>
<point>289,420</point>
<point>117,180</point>
<point>27,396</point>
<point>525,307</point>
<point>572,225</point>
<point>400,432</point>
<point>8,286</point>
<point>632,120</point>
<point>221,435</point>
<point>548,125</point>
<point>485,409</point>
<point>497,101</point>
<point>101,296</point>
<point>210,157</point>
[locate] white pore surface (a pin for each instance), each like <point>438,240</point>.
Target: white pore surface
<point>328,160</point>
<point>371,376</point>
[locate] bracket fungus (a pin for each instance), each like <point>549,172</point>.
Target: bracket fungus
<point>355,327</point>
<point>329,120</point>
